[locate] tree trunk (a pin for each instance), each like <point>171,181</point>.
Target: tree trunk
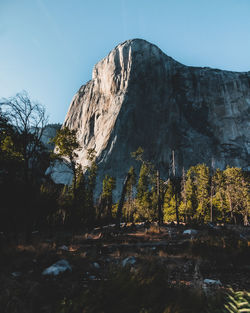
<point>27,204</point>
<point>160,214</point>
<point>245,219</point>
<point>175,188</point>
<point>230,206</point>
<point>121,202</point>
<point>211,206</point>
<point>177,210</point>
<point>73,212</point>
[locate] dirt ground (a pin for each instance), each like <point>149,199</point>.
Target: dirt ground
<point>219,254</point>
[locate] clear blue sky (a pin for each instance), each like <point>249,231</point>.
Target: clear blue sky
<point>49,47</point>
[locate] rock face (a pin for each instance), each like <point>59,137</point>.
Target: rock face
<point>139,96</point>
<point>49,133</point>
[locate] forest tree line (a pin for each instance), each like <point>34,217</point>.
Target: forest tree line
<point>200,195</point>
<point>30,200</point>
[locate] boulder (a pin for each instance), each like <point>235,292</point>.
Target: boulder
<point>129,261</point>
<point>191,232</point>
<point>57,268</point>
<point>212,282</point>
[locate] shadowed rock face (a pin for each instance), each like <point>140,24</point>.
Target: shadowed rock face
<point>138,96</point>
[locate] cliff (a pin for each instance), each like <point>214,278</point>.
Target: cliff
<point>139,96</point>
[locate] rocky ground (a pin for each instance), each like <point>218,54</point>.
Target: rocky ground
<point>86,265</point>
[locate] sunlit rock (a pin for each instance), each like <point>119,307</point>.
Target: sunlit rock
<point>139,96</point>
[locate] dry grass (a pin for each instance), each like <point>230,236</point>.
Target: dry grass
<point>154,229</point>
<point>161,273</point>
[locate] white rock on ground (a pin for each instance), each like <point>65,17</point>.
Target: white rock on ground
<point>16,274</point>
<point>96,265</point>
<point>212,282</point>
<point>191,232</point>
<point>57,268</point>
<point>63,247</point>
<point>129,261</point>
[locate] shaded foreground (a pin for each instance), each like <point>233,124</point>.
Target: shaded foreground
<point>141,268</point>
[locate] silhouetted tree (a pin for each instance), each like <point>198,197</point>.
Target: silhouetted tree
<point>90,175</point>
<point>108,185</point>
<point>66,147</point>
<point>28,120</point>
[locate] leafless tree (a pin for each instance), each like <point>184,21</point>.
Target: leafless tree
<point>29,120</point>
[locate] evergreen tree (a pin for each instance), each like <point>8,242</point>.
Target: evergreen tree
<point>212,190</point>
<point>236,194</point>
<point>143,197</point>
<point>91,173</point>
<point>191,200</point>
<point>219,200</point>
<point>169,206</point>
<point>108,186</point>
<point>65,205</point>
<point>67,144</point>
<point>129,206</point>
<point>202,189</point>
<point>184,202</point>
<point>175,181</point>
<point>157,193</point>
<point>48,210</point>
<point>80,200</point>
<point>196,197</point>
<point>144,209</point>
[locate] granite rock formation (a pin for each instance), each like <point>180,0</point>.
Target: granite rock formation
<point>139,96</point>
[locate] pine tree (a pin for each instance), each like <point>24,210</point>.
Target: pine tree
<point>108,186</point>
<point>197,193</point>
<point>190,193</point>
<point>236,194</point>
<point>169,206</point>
<point>219,200</point>
<point>67,145</point>
<point>183,203</point>
<point>91,173</point>
<point>145,189</point>
<point>65,204</point>
<point>143,197</point>
<point>211,189</point>
<point>202,187</point>
<point>129,206</point>
<point>80,201</point>
<point>174,181</point>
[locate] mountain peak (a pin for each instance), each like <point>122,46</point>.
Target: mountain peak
<point>136,42</point>
<point>138,45</point>
<point>140,97</point>
<point>130,53</point>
